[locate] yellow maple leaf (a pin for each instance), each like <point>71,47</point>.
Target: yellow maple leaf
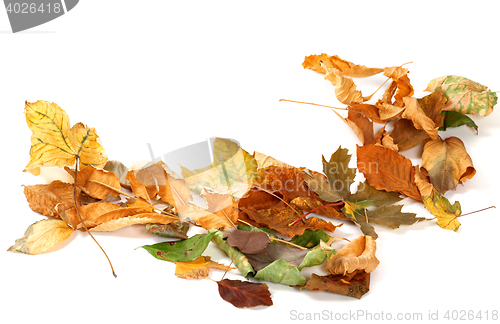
<point>198,268</point>
<point>445,212</point>
<point>41,236</point>
<point>54,143</point>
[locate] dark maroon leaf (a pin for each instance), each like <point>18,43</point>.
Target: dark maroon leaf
<point>244,293</point>
<point>248,242</point>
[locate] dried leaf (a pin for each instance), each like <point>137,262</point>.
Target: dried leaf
<point>274,252</point>
<point>385,169</point>
<point>239,259</point>
<point>345,89</point>
<point>96,183</point>
<point>264,161</point>
<point>406,136</point>
<point>445,212</point>
<point>423,183</point>
<point>315,62</point>
<point>174,230</point>
<point>120,170</point>
<point>54,143</point>
<point>464,95</point>
<point>198,268</point>
<point>41,236</point>
<point>352,286</point>
<point>248,242</point>
<point>51,199</point>
<point>420,120</point>
<point>337,170</point>
<point>317,183</point>
<point>244,293</point>
<point>359,254</point>
<point>279,220</point>
<point>447,163</point>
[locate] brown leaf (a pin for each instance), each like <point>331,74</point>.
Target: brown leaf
<point>353,285</point>
<point>420,120</point>
<point>405,89</point>
<point>345,89</point>
<point>406,136</point>
<point>362,126</point>
<point>51,199</point>
<point>279,220</point>
<point>315,62</point>
<point>359,254</point>
<point>370,111</point>
<point>423,183</point>
<point>244,293</point>
<point>447,163</point>
<point>385,169</point>
<point>198,268</point>
<point>96,183</point>
<point>248,242</point>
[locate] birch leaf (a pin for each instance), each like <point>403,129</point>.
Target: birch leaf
<point>54,143</point>
<point>41,236</point>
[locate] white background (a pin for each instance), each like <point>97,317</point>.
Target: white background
<point>172,73</point>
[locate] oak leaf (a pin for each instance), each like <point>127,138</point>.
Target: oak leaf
<point>385,169</point>
<point>244,293</point>
<point>51,199</point>
<point>42,236</point>
<point>198,268</point>
<point>464,95</point>
<point>54,143</point>
<point>447,163</point>
<point>359,254</point>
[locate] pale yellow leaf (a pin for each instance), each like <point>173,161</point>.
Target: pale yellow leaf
<point>359,254</point>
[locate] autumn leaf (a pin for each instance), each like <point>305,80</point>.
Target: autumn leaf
<point>95,182</point>
<point>445,212</point>
<point>274,252</point>
<point>359,254</point>
<point>317,183</point>
<point>281,271</point>
<point>464,95</point>
<point>239,259</point>
<point>337,170</point>
<point>120,170</point>
<point>244,293</point>
<point>51,199</point>
<point>447,163</point>
<point>406,136</point>
<point>353,286</point>
<point>54,143</point>
<point>385,169</point>
<point>456,119</point>
<point>420,120</point>
<point>41,236</point>
<point>181,251</point>
<point>280,219</point>
<point>198,268</point>
<point>248,242</point>
<point>319,62</point>
<point>174,230</point>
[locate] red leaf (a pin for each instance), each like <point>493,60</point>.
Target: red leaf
<point>244,293</point>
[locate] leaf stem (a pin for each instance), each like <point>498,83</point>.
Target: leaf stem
<point>80,216</point>
<point>310,103</point>
<point>477,211</point>
<point>312,211</point>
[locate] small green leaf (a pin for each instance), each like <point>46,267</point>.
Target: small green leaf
<point>316,257</point>
<point>282,272</point>
<point>181,251</point>
<point>456,119</point>
<point>309,239</point>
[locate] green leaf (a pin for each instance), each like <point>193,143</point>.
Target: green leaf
<point>392,217</point>
<point>316,257</point>
<point>275,252</point>
<point>280,271</point>
<point>317,183</point>
<point>367,195</point>
<point>309,239</point>
<point>456,119</point>
<point>464,95</point>
<point>239,259</point>
<point>181,251</point>
<point>337,170</point>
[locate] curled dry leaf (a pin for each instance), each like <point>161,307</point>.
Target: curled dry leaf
<point>447,163</point>
<point>244,293</point>
<point>355,285</point>
<point>198,268</point>
<point>359,254</point>
<point>54,143</point>
<point>41,236</point>
<point>51,199</point>
<point>420,120</point>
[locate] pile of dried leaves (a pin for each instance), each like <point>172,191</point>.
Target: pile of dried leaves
<point>256,208</point>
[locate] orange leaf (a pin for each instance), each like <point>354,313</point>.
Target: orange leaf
<point>96,183</point>
<point>51,199</point>
<point>385,169</point>
<point>198,268</point>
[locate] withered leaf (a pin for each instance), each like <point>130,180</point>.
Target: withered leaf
<point>95,182</point>
<point>174,230</point>
<point>337,170</point>
<point>352,285</point>
<point>244,293</point>
<point>280,219</point>
<point>198,268</point>
<point>447,163</point>
<point>385,169</point>
<point>420,120</point>
<point>248,242</point>
<point>41,236</point>
<point>359,254</point>
<point>53,143</point>
<point>445,212</point>
<point>51,199</point>
<point>274,252</point>
<point>319,62</point>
